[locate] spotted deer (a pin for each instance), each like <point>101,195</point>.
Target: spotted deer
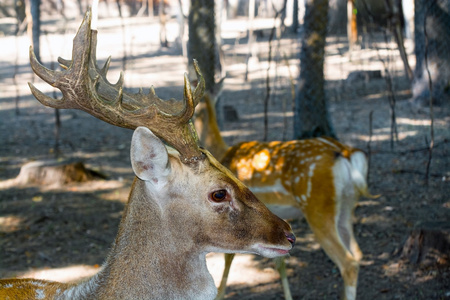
<point>319,178</point>
<point>183,203</point>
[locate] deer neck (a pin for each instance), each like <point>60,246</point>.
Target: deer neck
<point>149,260</point>
<point>207,128</point>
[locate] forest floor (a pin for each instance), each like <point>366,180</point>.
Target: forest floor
<point>64,233</point>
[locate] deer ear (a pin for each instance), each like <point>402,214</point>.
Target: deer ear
<point>149,157</point>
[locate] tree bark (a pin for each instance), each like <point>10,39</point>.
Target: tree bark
<point>352,28</point>
<point>311,117</point>
<point>202,44</point>
<point>432,43</point>
<point>34,26</point>
<point>162,25</point>
<point>295,24</point>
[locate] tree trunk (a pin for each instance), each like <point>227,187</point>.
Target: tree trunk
<point>295,24</point>
<point>19,7</point>
<point>162,25</point>
<point>34,26</point>
<point>202,44</point>
<point>352,29</point>
<point>311,113</point>
<point>432,45</point>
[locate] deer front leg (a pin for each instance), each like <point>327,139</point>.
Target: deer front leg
<point>223,283</point>
<point>281,267</point>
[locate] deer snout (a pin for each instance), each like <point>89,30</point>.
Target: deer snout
<point>290,237</point>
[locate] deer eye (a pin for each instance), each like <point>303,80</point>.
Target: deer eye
<point>218,196</point>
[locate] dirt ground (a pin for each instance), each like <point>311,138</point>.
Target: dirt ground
<point>63,233</point>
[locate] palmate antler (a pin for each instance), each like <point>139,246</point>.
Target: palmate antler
<point>84,86</point>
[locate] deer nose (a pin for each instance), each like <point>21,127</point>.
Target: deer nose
<point>290,237</point>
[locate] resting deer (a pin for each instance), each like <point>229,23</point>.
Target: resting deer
<point>319,177</point>
<point>183,203</point>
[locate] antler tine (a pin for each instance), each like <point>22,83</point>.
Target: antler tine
<point>84,86</point>
<point>64,63</point>
<point>200,89</point>
<point>62,80</point>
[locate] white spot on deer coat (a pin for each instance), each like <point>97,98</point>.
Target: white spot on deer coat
<point>37,283</point>
<point>40,294</point>
<point>310,175</point>
<point>327,142</point>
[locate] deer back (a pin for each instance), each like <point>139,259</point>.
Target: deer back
<point>298,173</point>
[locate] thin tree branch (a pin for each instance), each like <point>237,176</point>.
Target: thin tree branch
<point>387,77</point>
<point>57,115</point>
<point>430,85</point>
<point>427,148</point>
<point>391,95</point>
<point>292,84</point>
<point>268,88</point>
<point>369,146</point>
<point>16,67</point>
<point>405,171</point>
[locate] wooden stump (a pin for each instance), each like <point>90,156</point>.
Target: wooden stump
<point>428,244</point>
<point>52,172</point>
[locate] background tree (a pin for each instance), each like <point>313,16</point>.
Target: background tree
<point>202,44</point>
<point>295,24</point>
<point>432,43</point>
<point>162,23</point>
<point>34,25</point>
<point>311,118</point>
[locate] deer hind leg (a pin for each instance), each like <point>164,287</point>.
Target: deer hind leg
<point>345,232</point>
<point>338,241</point>
<point>349,254</point>
<point>349,265</point>
<point>341,255</point>
<point>281,267</point>
<point>223,283</point>
<point>354,248</point>
<point>350,275</point>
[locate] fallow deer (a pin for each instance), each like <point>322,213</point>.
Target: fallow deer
<point>183,203</point>
<point>319,178</point>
